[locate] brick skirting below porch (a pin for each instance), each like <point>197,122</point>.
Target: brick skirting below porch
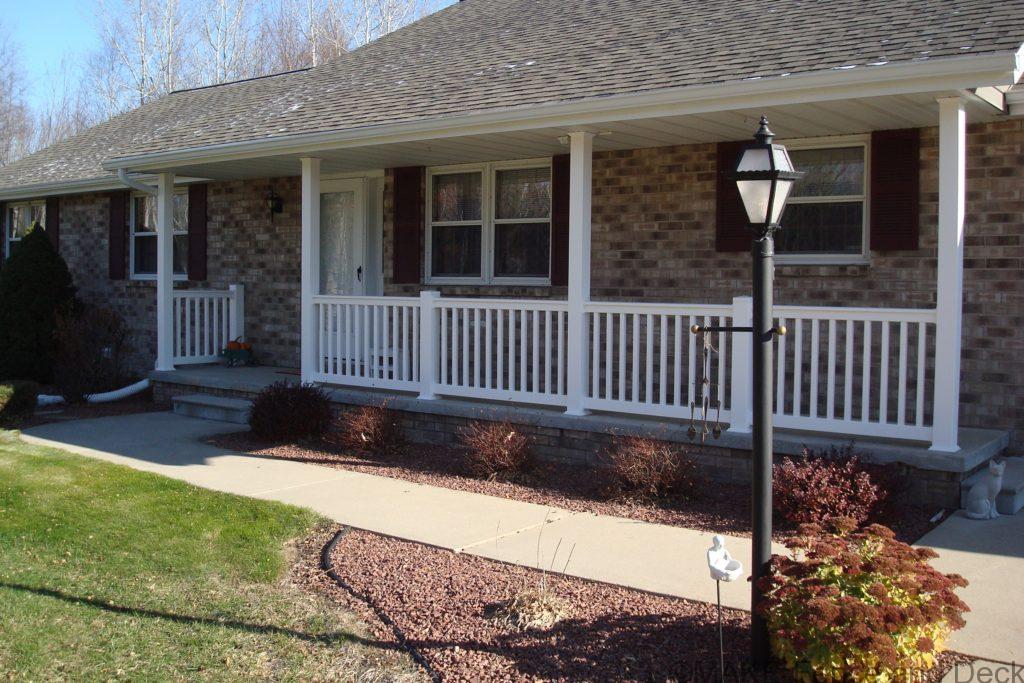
<point>934,479</point>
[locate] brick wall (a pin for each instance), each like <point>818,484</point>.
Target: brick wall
<point>245,246</point>
<point>653,239</point>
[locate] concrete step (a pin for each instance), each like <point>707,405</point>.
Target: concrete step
<point>1010,500</point>
<point>206,407</point>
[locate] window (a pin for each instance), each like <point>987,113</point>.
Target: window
<point>490,223</point>
<point>21,216</point>
<point>143,235</point>
<point>826,216</point>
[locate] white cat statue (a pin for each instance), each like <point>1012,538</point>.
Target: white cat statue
<point>981,500</point>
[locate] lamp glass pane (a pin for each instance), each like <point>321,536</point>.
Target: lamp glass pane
<point>754,194</point>
<point>756,159</point>
<point>782,160</point>
<point>782,190</point>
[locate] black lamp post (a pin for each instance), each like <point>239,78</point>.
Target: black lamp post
<point>764,176</point>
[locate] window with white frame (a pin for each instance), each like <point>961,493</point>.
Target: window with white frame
<point>21,216</point>
<point>490,223</point>
<point>143,235</point>
<point>826,215</point>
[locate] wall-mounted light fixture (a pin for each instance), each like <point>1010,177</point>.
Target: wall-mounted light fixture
<point>275,204</point>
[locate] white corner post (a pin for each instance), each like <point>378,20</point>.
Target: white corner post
<point>165,271</point>
<point>949,273</point>
<point>741,377</point>
<point>310,265</point>
<point>428,344</point>
<point>581,153</point>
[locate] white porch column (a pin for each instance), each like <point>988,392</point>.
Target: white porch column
<point>950,272</point>
<point>165,271</point>
<point>581,152</point>
<point>310,264</point>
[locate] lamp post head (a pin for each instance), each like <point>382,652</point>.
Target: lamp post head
<point>764,177</point>
<point>764,134</point>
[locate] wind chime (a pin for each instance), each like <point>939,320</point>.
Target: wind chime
<point>705,392</point>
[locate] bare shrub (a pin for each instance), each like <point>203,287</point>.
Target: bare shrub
<point>651,470</point>
<point>285,412</point>
<point>495,449</point>
<point>531,609</point>
<point>91,345</point>
<point>370,429</point>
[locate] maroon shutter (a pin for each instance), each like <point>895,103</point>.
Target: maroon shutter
<point>408,202</point>
<point>560,220</point>
<point>895,189</point>
<point>3,232</point>
<point>731,224</point>
<point>117,238</point>
<point>53,221</point>
<point>197,232</point>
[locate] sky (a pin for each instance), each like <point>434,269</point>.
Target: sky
<point>48,31</point>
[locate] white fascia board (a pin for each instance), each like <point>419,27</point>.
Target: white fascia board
<point>932,75</point>
<point>58,188</point>
<point>67,187</point>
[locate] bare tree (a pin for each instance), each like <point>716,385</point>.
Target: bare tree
<point>68,110</point>
<point>375,18</point>
<point>141,51</point>
<point>223,48</point>
<point>16,125</point>
<point>296,34</point>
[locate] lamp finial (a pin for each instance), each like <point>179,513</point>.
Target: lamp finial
<point>764,134</point>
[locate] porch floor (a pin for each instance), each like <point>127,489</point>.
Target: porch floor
<point>976,445</point>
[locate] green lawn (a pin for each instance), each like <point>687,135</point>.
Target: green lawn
<point>108,573</point>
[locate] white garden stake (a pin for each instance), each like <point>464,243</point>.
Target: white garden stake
<point>722,568</point>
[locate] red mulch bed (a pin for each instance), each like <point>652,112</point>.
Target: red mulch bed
<point>720,508</point>
<point>441,602</point>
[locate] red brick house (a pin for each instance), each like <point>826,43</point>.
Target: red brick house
<point>523,203</point>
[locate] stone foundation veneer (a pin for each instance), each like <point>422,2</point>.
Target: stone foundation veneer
<point>653,239</point>
<point>436,423</point>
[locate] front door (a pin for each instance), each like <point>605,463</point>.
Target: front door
<point>342,237</point>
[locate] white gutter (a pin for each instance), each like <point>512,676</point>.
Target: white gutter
<point>59,187</point>
<point>76,187</point>
<point>122,175</point>
<point>932,75</point>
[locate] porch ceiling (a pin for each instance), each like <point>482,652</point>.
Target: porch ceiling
<point>817,119</point>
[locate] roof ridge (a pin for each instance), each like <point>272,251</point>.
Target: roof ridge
<point>240,80</point>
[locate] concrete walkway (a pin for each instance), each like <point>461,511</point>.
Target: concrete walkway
<point>990,555</point>
<point>651,557</point>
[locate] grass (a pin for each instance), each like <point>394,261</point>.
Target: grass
<point>108,573</point>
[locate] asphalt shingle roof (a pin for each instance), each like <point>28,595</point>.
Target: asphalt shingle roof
<point>488,55</point>
<point>81,157</point>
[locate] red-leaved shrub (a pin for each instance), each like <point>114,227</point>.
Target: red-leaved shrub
<point>496,449</point>
<point>819,487</point>
<point>858,605</point>
<point>650,469</point>
<point>370,429</point>
<point>286,412</point>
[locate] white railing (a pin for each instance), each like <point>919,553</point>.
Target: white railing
<point>368,341</point>
<point>645,360</point>
<point>857,371</point>
<point>847,371</point>
<point>204,322</point>
<point>501,349</point>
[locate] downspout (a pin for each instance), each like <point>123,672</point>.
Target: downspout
<point>108,396</point>
<point>123,176</point>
